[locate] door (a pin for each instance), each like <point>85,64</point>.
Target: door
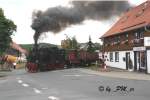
<point>140,61</point>
<point>129,63</point>
<point>137,60</point>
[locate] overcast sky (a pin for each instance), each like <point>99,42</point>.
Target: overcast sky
<point>20,11</point>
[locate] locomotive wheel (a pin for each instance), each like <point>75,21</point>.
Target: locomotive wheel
<point>34,69</point>
<point>31,68</point>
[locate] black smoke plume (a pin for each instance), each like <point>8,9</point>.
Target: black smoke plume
<point>58,18</point>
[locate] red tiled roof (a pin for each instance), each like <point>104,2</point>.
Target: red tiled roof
<point>135,18</point>
<point>17,47</point>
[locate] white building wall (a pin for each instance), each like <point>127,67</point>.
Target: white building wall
<point>121,64</point>
<point>148,61</point>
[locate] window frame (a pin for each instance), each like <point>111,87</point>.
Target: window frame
<point>139,35</point>
<point>127,36</point>
<point>116,56</point>
<point>111,56</point>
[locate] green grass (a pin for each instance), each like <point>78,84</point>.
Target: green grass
<point>27,46</point>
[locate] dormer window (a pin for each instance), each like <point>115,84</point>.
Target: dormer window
<point>124,18</point>
<point>142,10</point>
<point>139,13</point>
<point>145,5</point>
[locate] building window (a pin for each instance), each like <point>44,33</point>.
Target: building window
<point>140,13</point>
<point>124,19</point>
<point>139,35</point>
<point>116,56</point>
<point>111,56</point>
<point>126,36</point>
<point>142,35</point>
<point>118,39</point>
<point>136,35</point>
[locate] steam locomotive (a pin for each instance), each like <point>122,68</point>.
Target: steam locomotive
<point>52,58</point>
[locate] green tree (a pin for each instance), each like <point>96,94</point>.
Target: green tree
<point>70,43</point>
<point>91,46</point>
<point>74,43</point>
<point>7,27</point>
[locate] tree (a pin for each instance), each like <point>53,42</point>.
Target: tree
<point>7,27</point>
<point>70,43</point>
<point>74,43</point>
<point>91,46</point>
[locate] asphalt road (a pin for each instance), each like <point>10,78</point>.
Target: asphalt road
<point>70,84</point>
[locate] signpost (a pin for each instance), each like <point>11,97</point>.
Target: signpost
<point>139,48</point>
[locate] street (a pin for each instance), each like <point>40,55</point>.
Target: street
<point>70,84</point>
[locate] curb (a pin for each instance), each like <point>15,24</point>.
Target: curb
<point>4,73</point>
<point>118,74</point>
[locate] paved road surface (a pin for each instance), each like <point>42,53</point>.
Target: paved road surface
<point>70,84</point>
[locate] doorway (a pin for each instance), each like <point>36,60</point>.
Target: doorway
<point>140,61</point>
<point>129,63</point>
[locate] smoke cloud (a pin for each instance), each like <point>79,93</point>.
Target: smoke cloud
<point>58,18</point>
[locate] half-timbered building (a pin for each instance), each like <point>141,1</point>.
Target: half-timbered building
<point>127,44</point>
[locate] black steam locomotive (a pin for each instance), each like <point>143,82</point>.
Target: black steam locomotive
<point>51,58</point>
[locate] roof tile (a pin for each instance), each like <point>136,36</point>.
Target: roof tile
<point>135,18</point>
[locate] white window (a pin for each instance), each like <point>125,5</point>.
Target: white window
<point>116,56</point>
<point>139,35</point>
<point>111,56</point>
<point>126,36</point>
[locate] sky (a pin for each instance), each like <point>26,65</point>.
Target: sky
<point>20,12</point>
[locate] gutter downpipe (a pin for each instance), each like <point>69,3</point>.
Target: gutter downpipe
<point>147,30</point>
<point>103,57</point>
